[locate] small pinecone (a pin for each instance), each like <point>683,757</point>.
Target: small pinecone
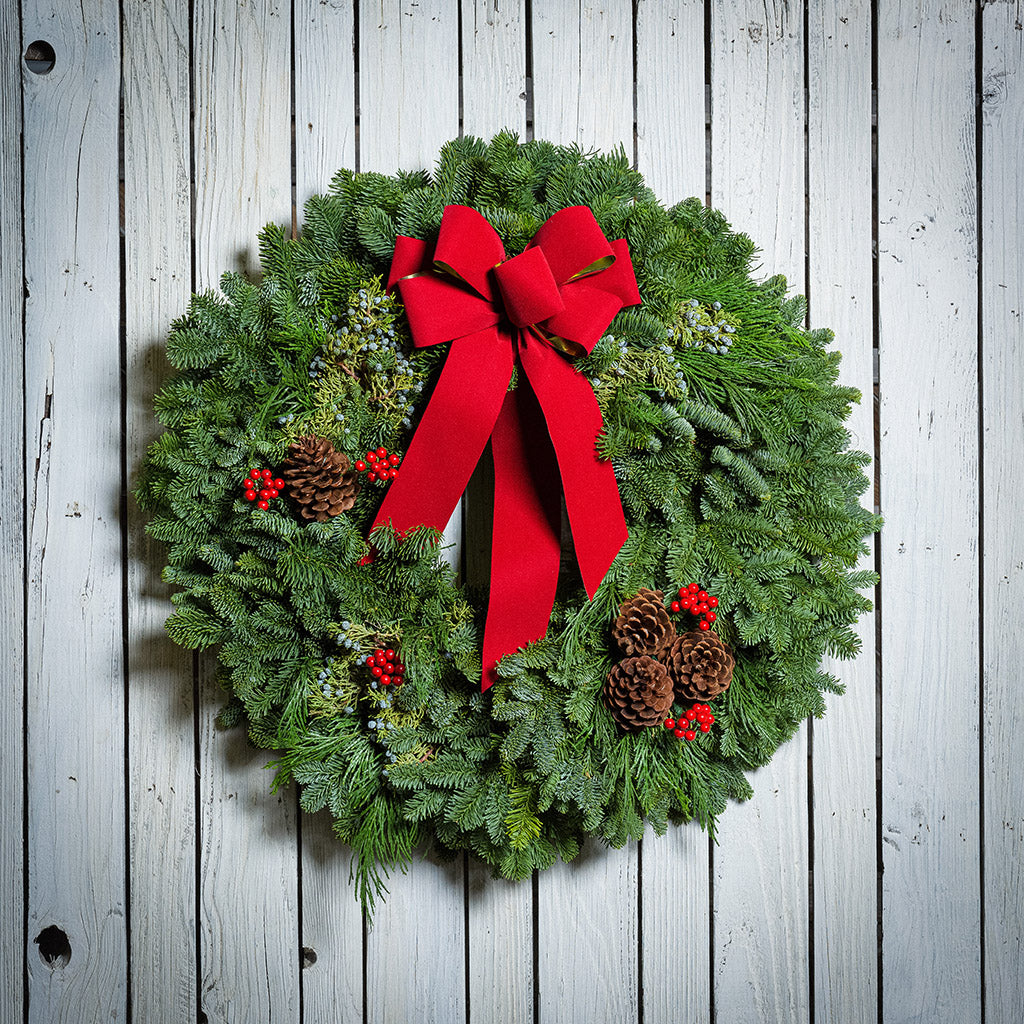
<point>700,665</point>
<point>643,625</point>
<point>638,693</point>
<point>320,479</point>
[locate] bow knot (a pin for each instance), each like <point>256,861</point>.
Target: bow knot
<point>560,294</point>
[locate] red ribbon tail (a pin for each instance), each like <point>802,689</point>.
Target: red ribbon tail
<point>452,434</point>
<point>526,545</point>
<point>574,421</point>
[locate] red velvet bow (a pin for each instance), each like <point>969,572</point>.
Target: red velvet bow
<point>557,296</point>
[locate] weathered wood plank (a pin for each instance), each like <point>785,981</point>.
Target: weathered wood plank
<point>761,941</point>
<point>249,938</point>
<point>408,94</point>
<point>840,291</point>
<point>583,74</point>
<point>493,67</point>
<point>324,94</point>
<point>12,529</point>
<point>1002,367</point>
<point>588,944</point>
<point>928,371</point>
<point>161,748</point>
<point>674,867</point>
<point>670,128</point>
<point>75,628</point>
<point>332,921</point>
<point>499,914</point>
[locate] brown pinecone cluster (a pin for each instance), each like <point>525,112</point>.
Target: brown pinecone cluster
<point>320,479</point>
<point>661,666</point>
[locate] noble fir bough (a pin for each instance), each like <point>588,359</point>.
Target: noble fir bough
<point>358,660</point>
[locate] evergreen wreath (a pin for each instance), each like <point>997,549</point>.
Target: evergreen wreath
<point>723,422</point>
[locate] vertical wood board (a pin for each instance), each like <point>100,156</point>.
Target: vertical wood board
<point>840,293</point>
<point>493,67</point>
<point>332,920</point>
<point>928,372</point>
<point>583,74</point>
<point>75,709</point>
<point>587,913</point>
<point>408,89</point>
<point>675,894</point>
<point>1002,368</point>
<point>249,953</point>
<point>325,135</point>
<point>12,528</point>
<point>161,749</point>
<point>760,938</point>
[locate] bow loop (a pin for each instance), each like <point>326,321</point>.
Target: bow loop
<point>528,288</point>
<point>467,247</point>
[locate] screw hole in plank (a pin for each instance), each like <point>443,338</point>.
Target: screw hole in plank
<point>40,57</point>
<point>54,947</point>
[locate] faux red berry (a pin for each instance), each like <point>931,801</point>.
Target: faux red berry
<point>382,452</point>
<point>389,653</point>
<point>713,601</point>
<point>678,733</point>
<point>265,493</point>
<point>371,456</point>
<point>704,624</point>
<point>690,734</point>
<point>250,495</point>
<point>371,477</point>
<point>670,723</point>
<point>686,602</point>
<point>377,653</point>
<point>702,608</point>
<point>702,595</point>
<point>395,459</point>
<point>711,616</point>
<point>254,473</point>
<point>711,719</point>
<point>675,606</point>
<point>274,492</point>
<point>691,714</point>
<point>267,475</point>
<point>693,588</point>
<point>279,484</point>
<point>705,727</point>
<point>386,679</point>
<point>360,466</point>
<point>376,671</point>
<point>263,505</point>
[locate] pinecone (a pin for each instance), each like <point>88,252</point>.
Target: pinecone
<point>700,665</point>
<point>643,625</point>
<point>320,479</point>
<point>638,693</point>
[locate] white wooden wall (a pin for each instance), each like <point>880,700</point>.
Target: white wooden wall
<point>874,151</point>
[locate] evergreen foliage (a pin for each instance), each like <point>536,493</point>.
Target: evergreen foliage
<point>724,423</point>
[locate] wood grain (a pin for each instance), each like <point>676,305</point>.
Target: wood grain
<point>332,921</point>
<point>674,875</point>
<point>161,748</point>
<point>760,940</point>
<point>408,89</point>
<point>588,935</point>
<point>75,628</point>
<point>493,67</point>
<point>583,74</point>
<point>928,373</point>
<point>249,934</point>
<point>1002,368</point>
<point>325,104</point>
<point>12,529</point>
<point>499,918</point>
<point>840,291</point>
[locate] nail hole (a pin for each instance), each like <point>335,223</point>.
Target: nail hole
<point>40,57</point>
<point>54,947</point>
<point>308,957</point>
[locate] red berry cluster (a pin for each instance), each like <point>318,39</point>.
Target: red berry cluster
<point>385,667</point>
<point>697,601</point>
<point>698,717</point>
<point>261,487</point>
<point>378,465</point>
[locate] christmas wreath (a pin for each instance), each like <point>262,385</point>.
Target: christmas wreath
<point>633,380</point>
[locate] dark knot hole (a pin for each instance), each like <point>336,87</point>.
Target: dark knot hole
<point>54,947</point>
